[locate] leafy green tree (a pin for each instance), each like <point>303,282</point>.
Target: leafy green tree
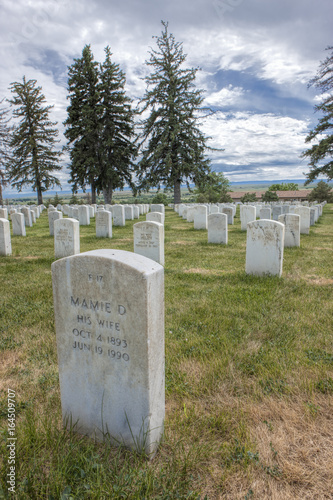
<point>322,192</point>
<point>248,197</point>
<point>290,186</point>
<point>5,131</point>
<point>83,122</point>
<point>173,147</point>
<point>214,189</point>
<point>270,196</point>
<point>320,155</point>
<point>117,149</point>
<point>160,198</point>
<point>33,140</point>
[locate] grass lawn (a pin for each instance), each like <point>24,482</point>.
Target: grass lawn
<point>249,375</point>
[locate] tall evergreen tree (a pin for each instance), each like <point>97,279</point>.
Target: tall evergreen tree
<point>33,140</point>
<point>5,131</point>
<point>322,152</point>
<point>173,147</point>
<point>117,130</point>
<point>83,121</point>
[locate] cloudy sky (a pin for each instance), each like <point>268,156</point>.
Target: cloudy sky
<point>255,58</point>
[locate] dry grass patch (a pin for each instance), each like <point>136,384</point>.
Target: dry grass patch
<point>212,272</point>
<point>315,280</point>
<point>295,438</point>
<point>10,361</point>
<point>182,243</point>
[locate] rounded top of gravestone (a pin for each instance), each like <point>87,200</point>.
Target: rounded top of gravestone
<point>132,260</point>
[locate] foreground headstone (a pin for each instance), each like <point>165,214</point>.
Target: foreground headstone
<point>149,240</point>
<point>103,224</point>
<point>18,224</point>
<point>218,228</point>
<point>5,243</point>
<point>109,316</point>
<point>292,237</point>
<point>264,247</point>
<point>66,237</point>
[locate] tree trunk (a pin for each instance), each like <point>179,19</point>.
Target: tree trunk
<point>1,200</point>
<point>107,193</point>
<point>176,191</point>
<point>39,195</point>
<point>93,192</point>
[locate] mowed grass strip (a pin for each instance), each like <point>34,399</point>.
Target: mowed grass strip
<point>249,374</point>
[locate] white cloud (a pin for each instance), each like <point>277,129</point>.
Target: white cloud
<point>279,41</point>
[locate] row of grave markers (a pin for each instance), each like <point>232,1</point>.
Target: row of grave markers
<point>109,317</point>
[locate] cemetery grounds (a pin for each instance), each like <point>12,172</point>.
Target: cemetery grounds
<point>249,374</point>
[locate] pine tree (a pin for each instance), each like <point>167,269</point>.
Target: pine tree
<point>33,140</point>
<point>322,152</point>
<point>322,192</point>
<point>117,130</point>
<point>270,195</point>
<point>82,124</point>
<point>173,147</point>
<point>5,131</point>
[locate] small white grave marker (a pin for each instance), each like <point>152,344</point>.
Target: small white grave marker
<point>66,237</point>
<point>5,242</point>
<point>149,240</point>
<point>264,247</point>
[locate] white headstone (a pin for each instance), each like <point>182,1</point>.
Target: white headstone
<point>129,215</point>
<point>66,237</point>
<point>265,213</point>
<point>18,224</point>
<point>53,216</point>
<point>229,211</point>
<point>304,212</point>
<point>264,247</point>
<point>103,224</point>
<point>27,216</point>
<point>3,213</point>
<point>155,217</point>
<point>218,228</point>
<point>118,214</point>
<point>136,212</point>
<point>84,217</point>
<point>277,210</point>
<point>292,236</point>
<point>149,240</point>
<point>109,316</point>
<point>75,213</point>
<point>247,214</point>
<point>157,207</point>
<point>200,217</point>
<point>5,243</point>
<point>190,214</point>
